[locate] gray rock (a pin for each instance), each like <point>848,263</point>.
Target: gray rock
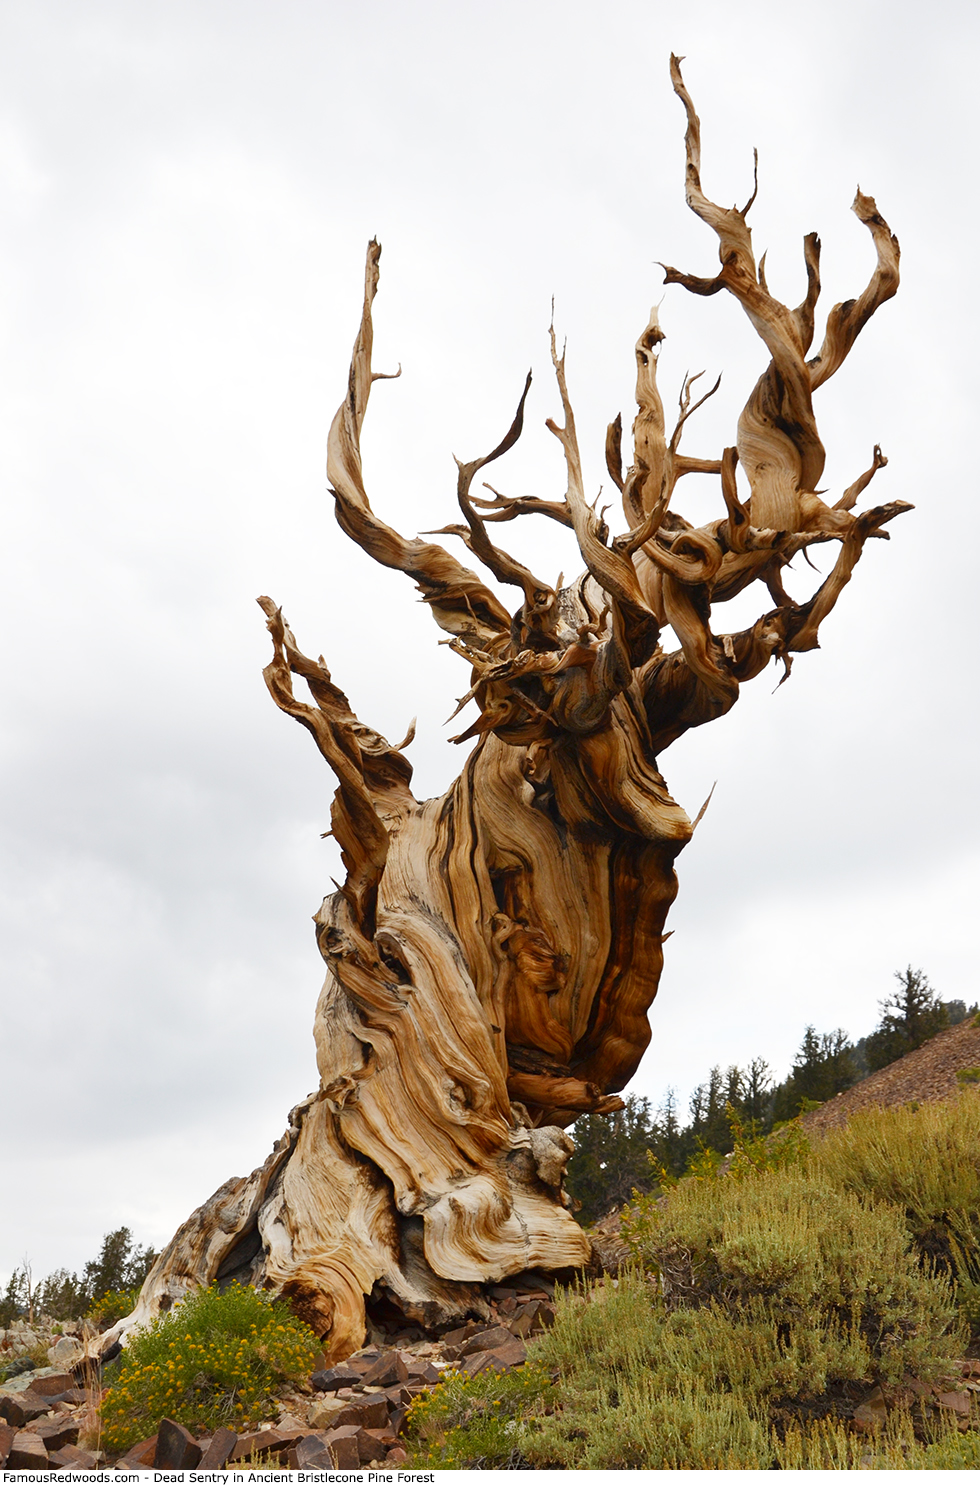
<point>65,1351</point>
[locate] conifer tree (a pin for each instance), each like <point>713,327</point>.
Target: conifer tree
<point>910,1016</point>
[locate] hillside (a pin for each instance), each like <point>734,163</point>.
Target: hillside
<point>924,1075</point>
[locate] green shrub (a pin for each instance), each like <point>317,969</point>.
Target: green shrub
<point>968,1304</point>
<point>924,1160</point>
<point>685,1428</point>
<point>213,1360</point>
<point>785,1250</point>
<point>644,1386</point>
<point>634,1391</point>
<point>758,1288</point>
<point>752,1290</point>
<point>476,1422</point>
<point>955,1452</point>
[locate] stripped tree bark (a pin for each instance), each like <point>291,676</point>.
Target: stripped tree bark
<point>493,954</point>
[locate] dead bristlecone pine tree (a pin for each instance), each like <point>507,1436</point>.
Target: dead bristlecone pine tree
<point>493,954</point>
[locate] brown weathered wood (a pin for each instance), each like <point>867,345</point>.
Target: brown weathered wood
<point>492,955</point>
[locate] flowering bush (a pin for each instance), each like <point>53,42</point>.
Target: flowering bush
<point>112,1306</point>
<point>213,1361</point>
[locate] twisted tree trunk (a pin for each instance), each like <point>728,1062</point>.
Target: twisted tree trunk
<point>493,954</point>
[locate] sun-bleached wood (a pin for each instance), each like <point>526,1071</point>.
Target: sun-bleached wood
<point>493,954</point>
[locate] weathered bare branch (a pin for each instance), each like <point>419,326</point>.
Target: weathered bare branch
<point>612,570</point>
<point>846,321</point>
<point>460,602</point>
<point>508,508</point>
<point>778,442</point>
<point>687,409</point>
<point>373,776</point>
<point>849,499</point>
<point>614,452</point>
<point>538,614</point>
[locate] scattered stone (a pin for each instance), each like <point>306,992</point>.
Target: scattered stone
<point>336,1376</point>
<point>388,1369</point>
<point>219,1450</point>
<point>872,1412</point>
<point>65,1352</point>
<point>19,1408</point>
<point>6,1439</point>
<point>524,1324</point>
<point>323,1412</point>
<point>424,1371</point>
<point>486,1340</point>
<point>290,1426</point>
<point>72,1458</point>
<point>310,1453</point>
<point>364,1412</point>
<point>57,1435</point>
<point>141,1455</point>
<point>76,1395</point>
<point>502,1359</point>
<point>396,1456</point>
<point>546,1315</point>
<point>27,1452</point>
<point>373,1444</point>
<point>957,1402</point>
<point>462,1333</point>
<point>917,1387</point>
<point>262,1443</point>
<point>343,1447</point>
<point>177,1448</point>
<point>53,1384</point>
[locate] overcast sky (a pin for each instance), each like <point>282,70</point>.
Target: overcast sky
<point>186,192</point>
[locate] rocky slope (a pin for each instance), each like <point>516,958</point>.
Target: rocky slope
<point>930,1072</point>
